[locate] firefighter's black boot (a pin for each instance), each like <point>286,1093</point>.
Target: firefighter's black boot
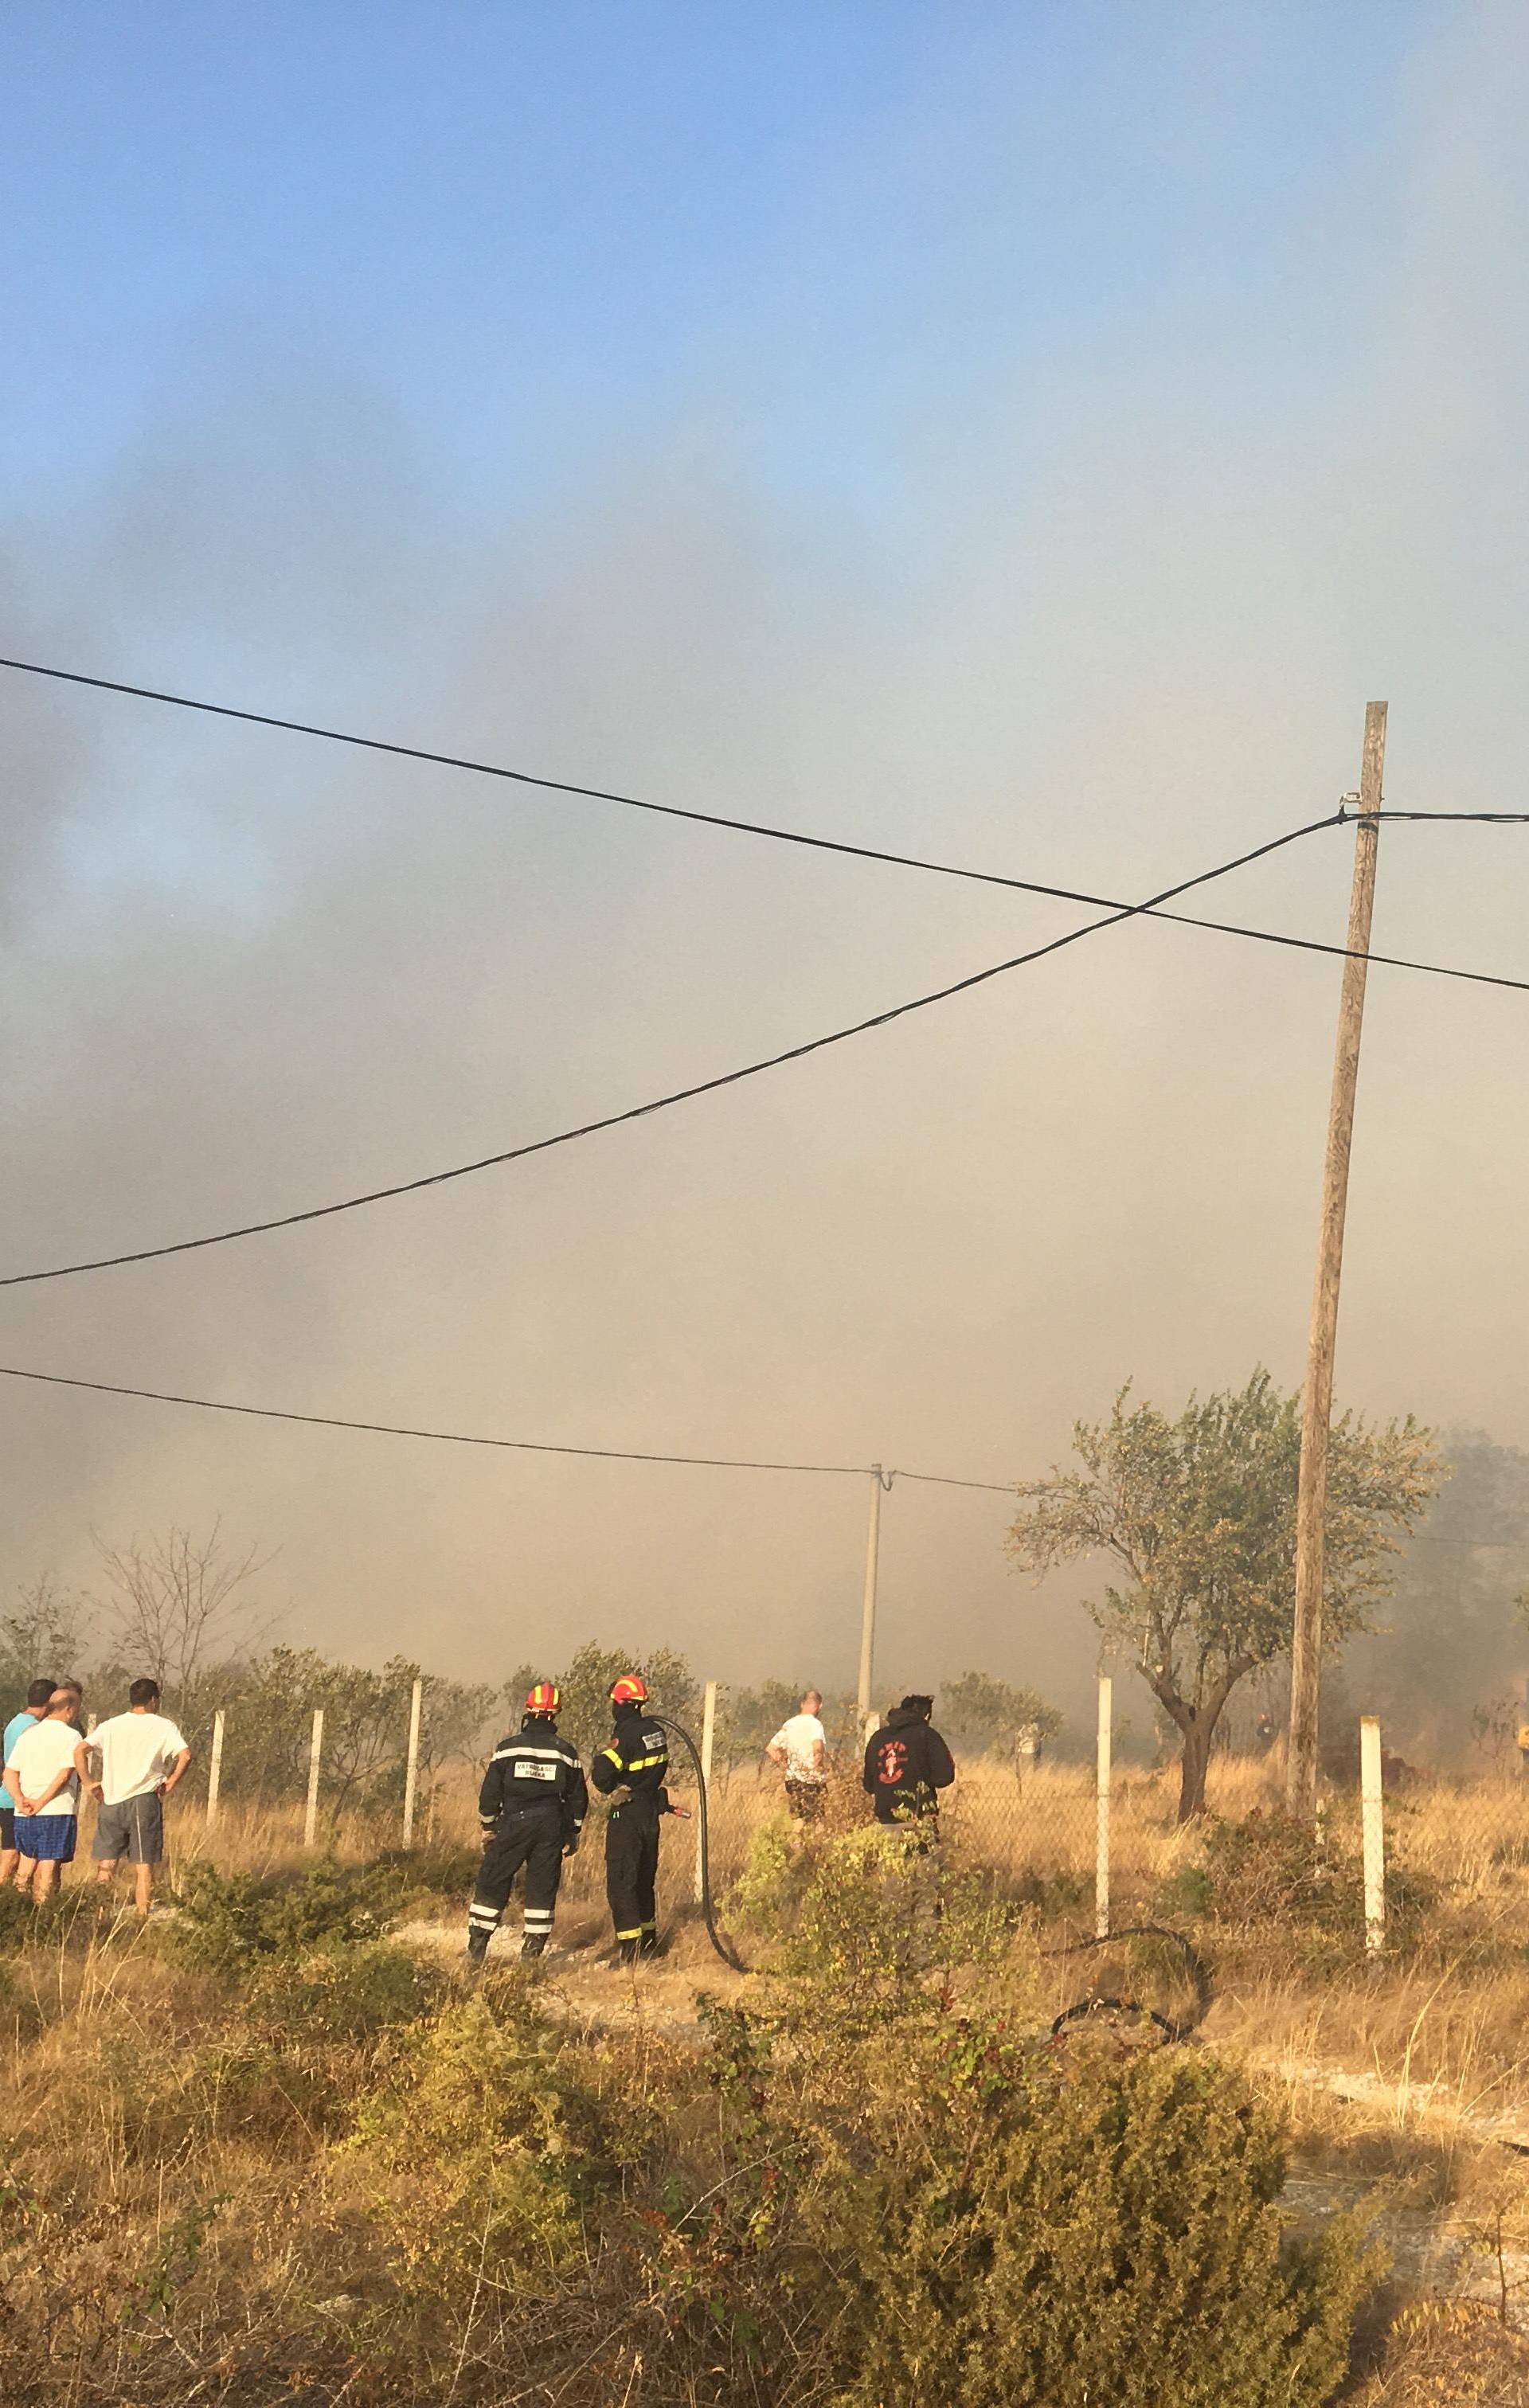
<point>534,1943</point>
<point>629,1951</point>
<point>478,1947</point>
<point>648,1944</point>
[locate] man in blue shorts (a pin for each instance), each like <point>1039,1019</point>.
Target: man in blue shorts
<point>38,1699</point>
<point>45,1795</point>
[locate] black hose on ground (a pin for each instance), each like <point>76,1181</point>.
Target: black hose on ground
<point>1172,2027</point>
<point>724,1948</point>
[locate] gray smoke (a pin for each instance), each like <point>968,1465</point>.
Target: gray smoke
<point>1119,623</point>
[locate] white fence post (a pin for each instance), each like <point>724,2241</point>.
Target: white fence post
<point>315,1754</point>
<point>709,1734</point>
<point>1101,1841</point>
<point>215,1766</point>
<point>411,1772</point>
<point>1373,1813</point>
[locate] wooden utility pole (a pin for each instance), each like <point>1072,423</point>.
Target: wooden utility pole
<point>867,1611</point>
<point>1316,1403</point>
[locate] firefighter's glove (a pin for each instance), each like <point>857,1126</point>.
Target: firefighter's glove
<point>571,1847</point>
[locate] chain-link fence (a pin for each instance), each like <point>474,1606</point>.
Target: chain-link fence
<point>1094,1844</point>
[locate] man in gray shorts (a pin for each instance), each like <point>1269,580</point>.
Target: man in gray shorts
<point>142,1756</point>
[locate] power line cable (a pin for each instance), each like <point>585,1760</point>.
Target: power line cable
<point>569,786</point>
<point>469,1437</point>
<point>502,770</point>
<point>769,1062</point>
<point>594,1453</point>
<point>657,1103</point>
<point>1483,819</point>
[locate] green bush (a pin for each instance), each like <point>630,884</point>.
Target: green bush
<point>348,1995</point>
<point>1062,2243</point>
<point>1265,1869</point>
<point>231,1920</point>
<point>475,2153</point>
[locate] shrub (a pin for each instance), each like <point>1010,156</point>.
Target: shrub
<point>229,1920</point>
<point>1112,2238</point>
<point>871,1924</point>
<point>352,1995</point>
<point>1263,1869</point>
<point>474,2153</point>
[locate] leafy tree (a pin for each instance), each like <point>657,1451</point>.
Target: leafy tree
<point>1199,1514</point>
<point>981,1713</point>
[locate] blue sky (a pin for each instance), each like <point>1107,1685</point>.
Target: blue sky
<point>536,232</point>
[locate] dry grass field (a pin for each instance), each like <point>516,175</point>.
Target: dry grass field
<point>141,2099</point>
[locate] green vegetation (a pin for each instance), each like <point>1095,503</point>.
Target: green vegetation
<point>323,2167</point>
<point>1198,1514</point>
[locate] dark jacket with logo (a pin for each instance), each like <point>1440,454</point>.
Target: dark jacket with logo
<point>535,1767</point>
<point>635,1761</point>
<point>906,1761</point>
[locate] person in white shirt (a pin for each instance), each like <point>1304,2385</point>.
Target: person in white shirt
<point>800,1747</point>
<point>142,1757</point>
<point>44,1787</point>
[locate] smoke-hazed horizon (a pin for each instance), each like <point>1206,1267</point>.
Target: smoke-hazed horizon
<point>1039,471</point>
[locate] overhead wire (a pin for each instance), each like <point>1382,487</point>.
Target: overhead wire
<point>588,1453</point>
<point>472,1437</point>
<point>803,836</point>
<point>1114,911</point>
<point>481,769</point>
<point>657,1103</point>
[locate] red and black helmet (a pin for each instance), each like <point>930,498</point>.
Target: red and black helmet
<point>543,1697</point>
<point>630,1690</point>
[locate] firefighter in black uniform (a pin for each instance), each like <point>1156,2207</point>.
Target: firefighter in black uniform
<point>531,1807</point>
<point>632,1770</point>
<point>907,1765</point>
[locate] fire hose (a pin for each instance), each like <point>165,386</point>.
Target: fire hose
<point>723,1947</point>
<point>1172,2027</point>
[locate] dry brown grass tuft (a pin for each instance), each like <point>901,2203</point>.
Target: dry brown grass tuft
<point>1453,2354</point>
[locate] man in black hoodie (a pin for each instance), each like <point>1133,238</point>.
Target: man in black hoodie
<point>531,1807</point>
<point>907,1764</point>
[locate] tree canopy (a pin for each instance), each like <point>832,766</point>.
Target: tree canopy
<point>1197,1510</point>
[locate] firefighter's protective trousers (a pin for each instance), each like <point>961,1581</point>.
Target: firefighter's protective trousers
<point>531,1836</point>
<point>632,1866</point>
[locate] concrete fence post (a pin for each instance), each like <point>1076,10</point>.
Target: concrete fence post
<point>315,1756</point>
<point>411,1768</point>
<point>215,1766</point>
<point>708,1735</point>
<point>1372,1810</point>
<point>1101,1834</point>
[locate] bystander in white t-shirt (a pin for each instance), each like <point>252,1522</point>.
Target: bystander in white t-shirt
<point>137,1752</point>
<point>38,1756</point>
<point>800,1736</point>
